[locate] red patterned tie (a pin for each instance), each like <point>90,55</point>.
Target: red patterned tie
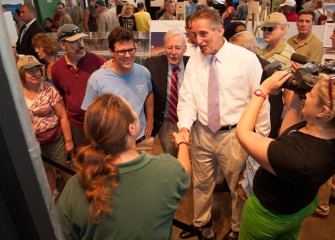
<point>173,98</point>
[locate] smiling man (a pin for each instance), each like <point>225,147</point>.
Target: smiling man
<point>167,75</point>
<point>305,42</point>
<point>127,79</point>
<point>219,81</point>
<point>70,74</point>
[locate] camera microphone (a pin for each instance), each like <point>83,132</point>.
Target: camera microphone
<point>295,57</point>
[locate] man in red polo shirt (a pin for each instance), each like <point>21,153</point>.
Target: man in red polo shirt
<point>70,74</point>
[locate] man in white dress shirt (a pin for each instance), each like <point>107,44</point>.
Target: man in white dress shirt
<point>238,73</point>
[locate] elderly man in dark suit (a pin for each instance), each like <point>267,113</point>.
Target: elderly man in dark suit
<point>167,75</point>
<point>28,31</point>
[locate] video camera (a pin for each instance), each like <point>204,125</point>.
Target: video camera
<point>304,79</point>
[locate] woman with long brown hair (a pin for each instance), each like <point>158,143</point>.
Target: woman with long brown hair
<point>119,193</point>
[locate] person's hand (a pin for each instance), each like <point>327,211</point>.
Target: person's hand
<point>69,146</point>
<point>295,66</point>
<point>272,85</point>
<point>182,136</point>
<point>148,129</point>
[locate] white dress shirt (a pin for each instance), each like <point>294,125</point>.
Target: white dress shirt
<point>239,75</point>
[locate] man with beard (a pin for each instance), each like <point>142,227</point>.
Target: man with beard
<point>70,74</point>
<point>219,82</point>
<point>127,79</point>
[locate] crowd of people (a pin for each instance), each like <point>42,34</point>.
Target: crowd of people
<point>208,101</point>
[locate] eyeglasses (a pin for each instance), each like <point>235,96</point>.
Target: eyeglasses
<point>330,91</point>
<point>176,48</point>
<point>123,52</point>
<point>69,34</point>
<point>268,29</point>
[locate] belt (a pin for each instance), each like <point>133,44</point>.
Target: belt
<point>228,127</point>
<point>140,139</point>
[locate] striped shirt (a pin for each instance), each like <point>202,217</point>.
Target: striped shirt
<point>282,54</point>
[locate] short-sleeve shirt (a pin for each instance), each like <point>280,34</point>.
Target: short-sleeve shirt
<point>302,163</point>
<point>134,87</point>
<point>42,112</point>
<point>143,203</point>
<point>72,82</point>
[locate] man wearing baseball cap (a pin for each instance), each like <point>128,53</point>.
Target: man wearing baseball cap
<point>107,20</point>
<point>274,29</point>
<point>70,74</point>
<point>288,9</point>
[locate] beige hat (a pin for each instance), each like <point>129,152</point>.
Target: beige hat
<point>28,61</point>
<point>69,32</point>
<point>274,19</point>
<point>290,3</point>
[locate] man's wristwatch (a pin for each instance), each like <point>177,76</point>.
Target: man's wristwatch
<point>260,93</point>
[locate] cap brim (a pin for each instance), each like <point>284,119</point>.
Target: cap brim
<point>265,24</point>
<point>75,37</point>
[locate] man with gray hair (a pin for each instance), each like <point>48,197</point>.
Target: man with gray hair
<point>167,75</point>
<point>245,39</point>
<point>219,82</point>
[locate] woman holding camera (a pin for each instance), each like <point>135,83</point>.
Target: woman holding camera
<point>119,193</point>
<point>293,166</point>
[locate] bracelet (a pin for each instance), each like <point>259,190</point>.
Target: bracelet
<point>182,143</point>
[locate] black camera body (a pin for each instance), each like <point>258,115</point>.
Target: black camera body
<point>304,79</point>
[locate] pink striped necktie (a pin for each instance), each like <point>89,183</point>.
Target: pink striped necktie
<point>213,97</point>
<point>173,98</point>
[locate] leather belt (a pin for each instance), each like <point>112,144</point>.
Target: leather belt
<point>228,127</point>
<point>140,139</point>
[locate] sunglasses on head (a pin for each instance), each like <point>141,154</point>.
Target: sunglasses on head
<point>268,29</point>
<point>69,34</point>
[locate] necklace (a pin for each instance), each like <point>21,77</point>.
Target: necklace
<point>34,95</point>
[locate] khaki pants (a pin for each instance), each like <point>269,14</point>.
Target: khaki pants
<point>166,137</point>
<point>210,151</point>
<point>326,191</point>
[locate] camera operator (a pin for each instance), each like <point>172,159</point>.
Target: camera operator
<point>327,190</point>
<point>293,166</point>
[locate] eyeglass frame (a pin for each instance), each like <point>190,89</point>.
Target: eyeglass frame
<point>268,28</point>
<point>176,48</point>
<point>69,34</point>
<point>131,51</point>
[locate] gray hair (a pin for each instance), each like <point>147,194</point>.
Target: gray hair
<point>245,39</point>
<point>174,32</point>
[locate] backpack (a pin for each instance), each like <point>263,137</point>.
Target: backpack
<point>322,19</point>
